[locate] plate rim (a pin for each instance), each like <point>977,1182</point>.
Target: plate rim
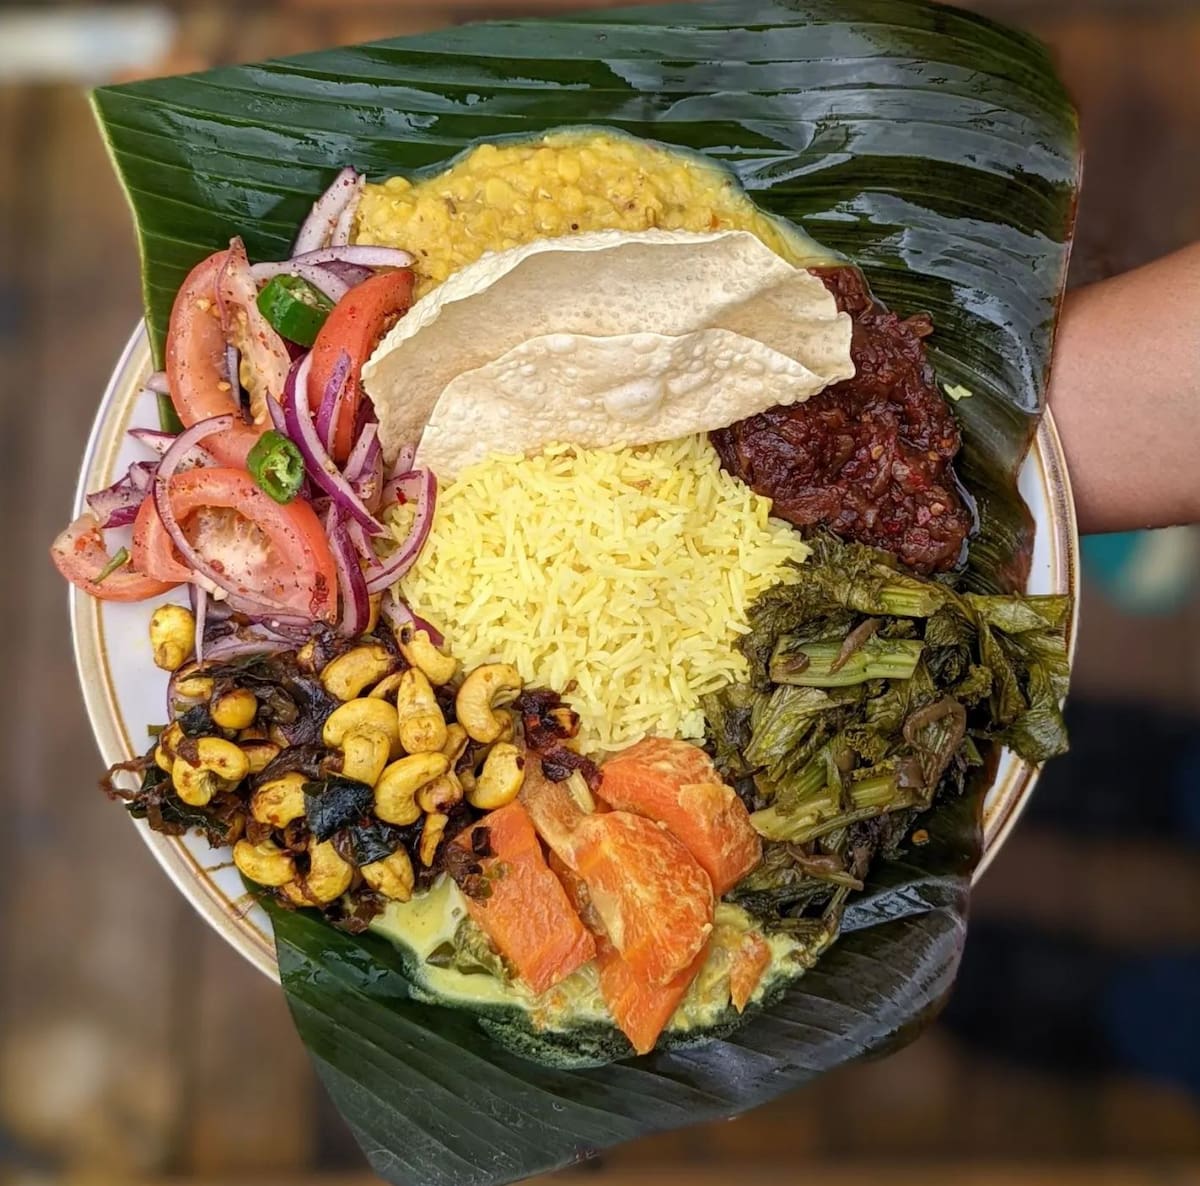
<point>228,916</point>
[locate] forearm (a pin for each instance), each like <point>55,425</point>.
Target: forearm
<point>1125,392</point>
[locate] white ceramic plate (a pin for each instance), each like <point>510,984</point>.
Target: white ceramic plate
<point>125,693</point>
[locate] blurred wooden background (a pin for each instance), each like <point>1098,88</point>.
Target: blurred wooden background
<point>136,1048</point>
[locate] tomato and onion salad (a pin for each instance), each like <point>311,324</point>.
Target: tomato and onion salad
<point>265,483</point>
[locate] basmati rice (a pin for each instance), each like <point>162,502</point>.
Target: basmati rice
<point>620,577</point>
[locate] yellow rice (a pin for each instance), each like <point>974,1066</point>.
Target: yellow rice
<point>620,577</point>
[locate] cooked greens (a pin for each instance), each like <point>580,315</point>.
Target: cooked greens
<point>870,695</point>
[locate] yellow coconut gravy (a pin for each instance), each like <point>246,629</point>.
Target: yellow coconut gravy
<point>429,921</point>
<point>499,196</point>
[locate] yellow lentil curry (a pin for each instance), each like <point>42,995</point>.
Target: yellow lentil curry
<point>500,196</point>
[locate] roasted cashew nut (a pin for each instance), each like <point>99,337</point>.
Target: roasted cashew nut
<point>500,779</point>
<point>280,800</point>
<point>216,765</point>
<point>328,877</point>
<point>235,709</point>
<point>265,863</point>
<point>431,836</point>
<point>172,636</point>
<point>396,790</point>
<point>392,877</point>
<point>456,743</point>
<point>420,652</point>
<point>365,753</point>
<point>386,686</point>
<point>260,754</point>
<point>441,794</point>
<point>374,604</point>
<point>422,725</point>
<point>482,691</point>
<point>167,749</point>
<point>192,684</point>
<point>361,716</point>
<point>306,657</point>
<point>346,676</point>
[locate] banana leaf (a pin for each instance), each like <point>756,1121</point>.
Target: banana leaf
<point>931,147</point>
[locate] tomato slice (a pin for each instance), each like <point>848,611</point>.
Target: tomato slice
<point>264,357</point>
<point>265,549</point>
<point>80,555</point>
<point>152,550</point>
<point>196,345</point>
<point>355,326</point>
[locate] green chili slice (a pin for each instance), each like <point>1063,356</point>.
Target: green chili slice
<point>276,466</point>
<point>168,418</point>
<point>118,561</point>
<point>295,308</point>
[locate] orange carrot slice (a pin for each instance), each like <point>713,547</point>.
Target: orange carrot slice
<point>750,961</point>
<point>527,916</point>
<point>640,1009</point>
<point>676,784</point>
<point>653,900</point>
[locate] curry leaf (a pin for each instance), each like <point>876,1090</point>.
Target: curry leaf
<point>334,803</point>
<point>370,839</point>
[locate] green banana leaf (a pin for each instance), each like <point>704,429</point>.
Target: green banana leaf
<point>931,147</point>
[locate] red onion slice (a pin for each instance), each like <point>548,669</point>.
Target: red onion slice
<point>200,611</point>
<point>404,487</point>
<point>401,618</point>
<point>125,517</point>
<point>332,285</point>
<point>320,466</point>
<point>332,399</point>
<point>117,505</point>
<point>205,574</point>
<point>321,220</point>
<point>235,647</point>
<point>404,461</point>
<point>217,611</point>
<point>352,274</point>
<point>161,442</point>
<point>356,604</point>
<point>359,254</point>
<point>369,485</point>
<point>362,544</point>
<point>385,573</point>
<point>233,367</point>
<point>364,449</point>
<point>340,235</point>
<point>278,418</point>
<point>276,627</point>
<point>141,475</point>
